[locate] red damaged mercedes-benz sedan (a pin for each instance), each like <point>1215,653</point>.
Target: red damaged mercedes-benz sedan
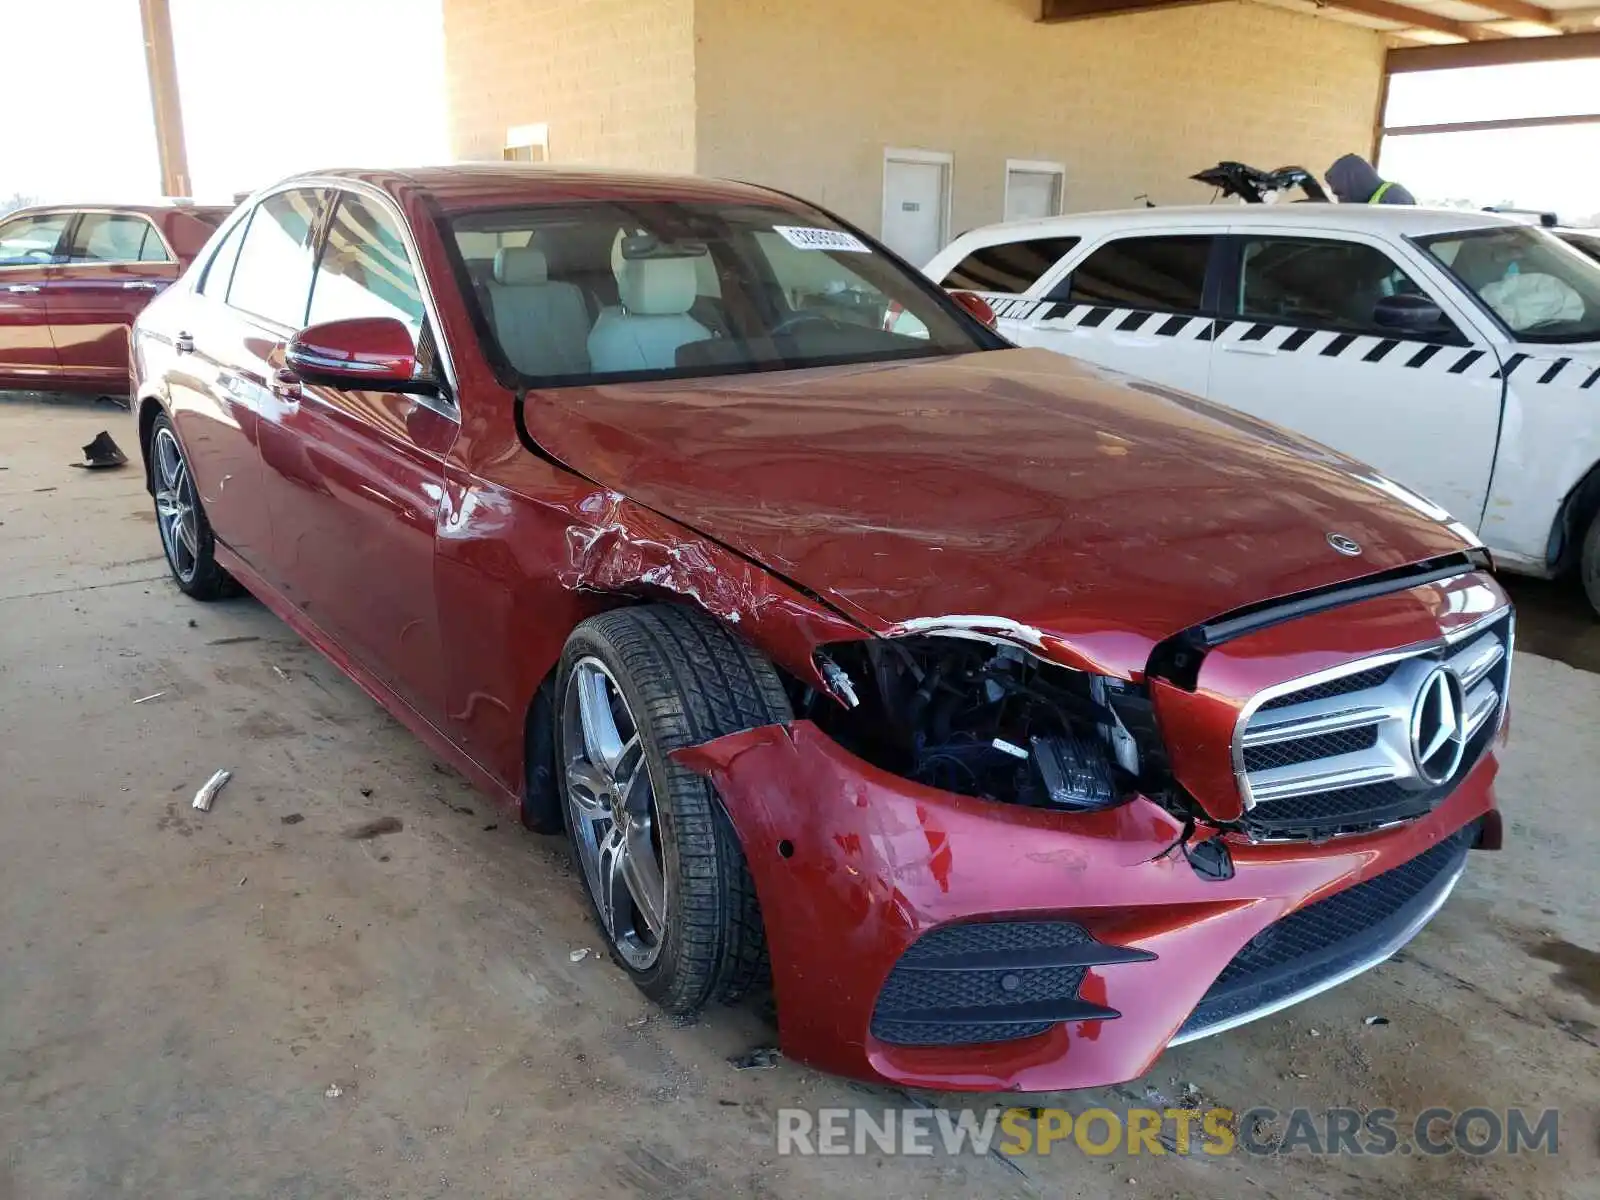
<point>1022,720</point>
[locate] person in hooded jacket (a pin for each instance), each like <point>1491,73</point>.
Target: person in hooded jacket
<point>1354,181</point>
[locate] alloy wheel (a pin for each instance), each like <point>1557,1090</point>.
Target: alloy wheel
<point>612,812</point>
<point>177,507</point>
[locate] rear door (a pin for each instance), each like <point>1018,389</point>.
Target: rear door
<point>1301,345</point>
<point>30,245</point>
<point>355,479</point>
<point>114,264</point>
<point>1136,304</point>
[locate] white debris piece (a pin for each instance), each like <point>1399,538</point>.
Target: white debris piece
<point>334,1091</point>
<point>208,793</point>
<point>578,955</point>
<point>152,696</point>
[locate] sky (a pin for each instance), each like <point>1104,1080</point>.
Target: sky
<point>270,87</point>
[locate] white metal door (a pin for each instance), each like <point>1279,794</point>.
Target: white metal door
<point>1032,193</point>
<point>1301,345</point>
<point>914,200</point>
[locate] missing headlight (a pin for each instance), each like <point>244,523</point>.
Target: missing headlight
<point>990,720</point>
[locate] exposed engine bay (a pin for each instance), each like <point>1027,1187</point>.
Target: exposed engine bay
<point>989,720</point>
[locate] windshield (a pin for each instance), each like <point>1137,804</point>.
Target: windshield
<point>1541,289</point>
<point>573,293</point>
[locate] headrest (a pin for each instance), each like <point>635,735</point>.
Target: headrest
<point>520,266</point>
<point>653,287</point>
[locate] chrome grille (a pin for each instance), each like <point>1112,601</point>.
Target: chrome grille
<point>1337,752</point>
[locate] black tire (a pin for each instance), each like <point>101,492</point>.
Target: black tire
<point>1589,564</point>
<point>685,679</point>
<point>194,570</point>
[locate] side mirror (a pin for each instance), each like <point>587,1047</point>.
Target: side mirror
<point>1408,312</point>
<point>371,353</point>
<point>977,307</point>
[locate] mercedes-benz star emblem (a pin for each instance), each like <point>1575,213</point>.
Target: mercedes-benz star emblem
<point>1439,726</point>
<point>1346,546</point>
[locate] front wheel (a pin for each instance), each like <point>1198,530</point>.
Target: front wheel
<point>1589,564</point>
<point>185,533</point>
<point>660,861</point>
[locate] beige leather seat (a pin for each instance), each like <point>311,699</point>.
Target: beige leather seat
<point>645,331</point>
<point>542,325</point>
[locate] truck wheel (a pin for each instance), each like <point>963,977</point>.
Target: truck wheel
<point>660,861</point>
<point>1589,564</point>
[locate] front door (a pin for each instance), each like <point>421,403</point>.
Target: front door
<point>115,264</point>
<point>355,479</point>
<point>1311,344</point>
<point>29,245</point>
<point>914,200</point>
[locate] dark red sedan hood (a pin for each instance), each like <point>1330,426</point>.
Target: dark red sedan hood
<point>1011,484</point>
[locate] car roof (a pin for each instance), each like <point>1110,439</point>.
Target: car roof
<point>459,187</point>
<point>1382,219</point>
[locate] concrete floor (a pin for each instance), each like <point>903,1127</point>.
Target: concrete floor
<point>180,992</point>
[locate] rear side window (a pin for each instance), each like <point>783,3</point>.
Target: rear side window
<point>1321,282</point>
<point>365,270</point>
<point>1011,267</point>
<point>1162,274</point>
<point>116,238</point>
<point>272,279</point>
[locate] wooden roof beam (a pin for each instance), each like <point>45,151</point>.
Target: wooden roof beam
<point>1417,18</point>
<point>1056,12</point>
<point>1494,54</point>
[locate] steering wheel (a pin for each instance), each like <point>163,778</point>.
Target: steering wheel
<point>803,317</point>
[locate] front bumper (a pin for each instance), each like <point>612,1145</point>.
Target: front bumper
<point>853,864</point>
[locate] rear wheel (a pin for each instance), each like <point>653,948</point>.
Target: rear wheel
<point>185,533</point>
<point>1589,564</point>
<point>662,866</point>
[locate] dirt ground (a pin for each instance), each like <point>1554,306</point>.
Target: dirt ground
<point>252,1003</point>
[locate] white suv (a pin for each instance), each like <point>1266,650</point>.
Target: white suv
<point>1457,352</point>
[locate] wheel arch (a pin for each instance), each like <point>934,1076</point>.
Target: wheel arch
<point>1580,507</point>
<point>148,406</point>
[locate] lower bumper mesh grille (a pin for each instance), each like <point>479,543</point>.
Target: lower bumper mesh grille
<point>992,981</point>
<point>1315,946</point>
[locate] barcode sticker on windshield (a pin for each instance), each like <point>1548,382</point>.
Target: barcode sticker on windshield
<point>807,238</point>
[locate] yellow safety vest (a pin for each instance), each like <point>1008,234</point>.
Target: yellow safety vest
<point>1377,196</point>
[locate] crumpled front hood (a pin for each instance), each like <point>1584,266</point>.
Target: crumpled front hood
<point>1015,484</point>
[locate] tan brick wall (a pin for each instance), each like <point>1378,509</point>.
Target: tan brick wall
<point>807,96</point>
<point>613,79</point>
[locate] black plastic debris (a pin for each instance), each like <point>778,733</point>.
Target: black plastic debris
<point>763,1058</point>
<point>102,454</point>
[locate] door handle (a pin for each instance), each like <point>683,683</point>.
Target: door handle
<point>183,343</point>
<point>1255,348</point>
<point>140,285</point>
<point>286,385</point>
<point>23,287</point>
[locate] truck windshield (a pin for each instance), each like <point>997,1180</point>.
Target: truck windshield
<point>1538,287</point>
<point>574,293</point>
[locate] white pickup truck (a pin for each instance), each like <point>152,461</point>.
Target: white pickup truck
<point>1456,352</point>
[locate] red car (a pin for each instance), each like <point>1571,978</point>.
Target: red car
<point>73,279</point>
<point>1025,719</point>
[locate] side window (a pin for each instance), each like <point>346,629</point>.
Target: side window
<point>1011,267</point>
<point>31,241</point>
<point>364,270</point>
<point>1330,284</point>
<point>1160,274</point>
<point>219,271</point>
<point>272,278</point>
<point>116,238</point>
